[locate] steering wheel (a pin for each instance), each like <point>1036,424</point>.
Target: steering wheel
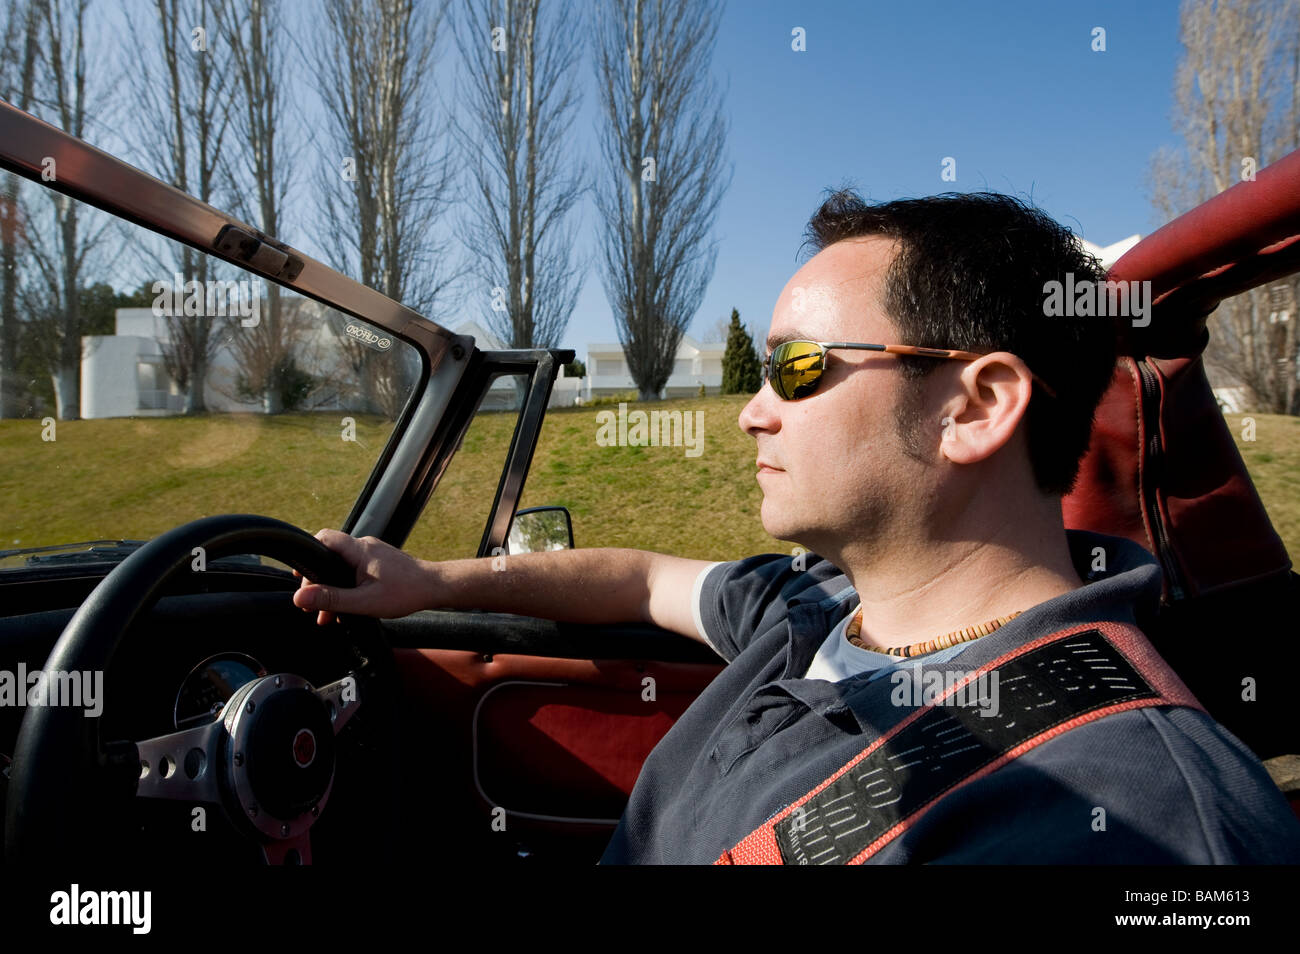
<point>268,760</point>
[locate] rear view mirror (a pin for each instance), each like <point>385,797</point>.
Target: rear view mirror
<point>540,528</point>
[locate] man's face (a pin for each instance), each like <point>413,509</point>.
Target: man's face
<point>837,470</point>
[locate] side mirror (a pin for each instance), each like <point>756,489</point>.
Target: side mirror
<point>540,528</point>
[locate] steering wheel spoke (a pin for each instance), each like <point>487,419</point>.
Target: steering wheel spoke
<point>182,766</point>
<point>288,851</point>
<point>342,699</point>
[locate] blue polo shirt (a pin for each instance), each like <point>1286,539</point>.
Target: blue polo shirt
<point>1175,787</point>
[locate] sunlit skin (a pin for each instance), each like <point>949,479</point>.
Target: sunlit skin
<point>959,537</point>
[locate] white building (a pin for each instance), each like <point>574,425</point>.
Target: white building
<point>123,375</point>
<point>696,364</point>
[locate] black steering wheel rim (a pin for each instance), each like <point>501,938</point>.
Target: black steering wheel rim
<point>49,785</point>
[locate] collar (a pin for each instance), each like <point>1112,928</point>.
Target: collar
<point>1122,581</point>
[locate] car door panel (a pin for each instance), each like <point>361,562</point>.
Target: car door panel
<point>535,751</point>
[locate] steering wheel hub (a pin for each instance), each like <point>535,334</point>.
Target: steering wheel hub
<point>281,761</point>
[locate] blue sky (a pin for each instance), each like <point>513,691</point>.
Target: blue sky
<point>884,91</point>
<point>1011,89</point>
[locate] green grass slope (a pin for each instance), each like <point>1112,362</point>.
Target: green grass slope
<point>139,477</point>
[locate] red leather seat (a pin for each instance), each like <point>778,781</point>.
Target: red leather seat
<point>1163,470</point>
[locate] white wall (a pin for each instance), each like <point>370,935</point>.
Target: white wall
<point>108,375</point>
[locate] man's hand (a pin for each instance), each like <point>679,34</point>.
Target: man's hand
<point>390,583</point>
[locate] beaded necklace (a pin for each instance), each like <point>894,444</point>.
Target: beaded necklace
<point>928,645</point>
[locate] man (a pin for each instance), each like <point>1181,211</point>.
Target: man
<point>949,675</point>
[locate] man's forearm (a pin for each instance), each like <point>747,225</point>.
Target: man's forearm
<point>603,585</point>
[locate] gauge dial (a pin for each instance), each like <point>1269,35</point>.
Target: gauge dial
<point>209,686</point>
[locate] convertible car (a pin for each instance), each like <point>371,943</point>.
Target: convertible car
<point>232,729</point>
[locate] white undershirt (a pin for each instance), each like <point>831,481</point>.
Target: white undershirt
<point>838,659</point>
<point>695,605</point>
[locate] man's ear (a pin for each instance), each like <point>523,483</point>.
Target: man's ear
<point>992,398</point>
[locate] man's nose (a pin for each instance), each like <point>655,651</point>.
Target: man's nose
<point>760,414</point>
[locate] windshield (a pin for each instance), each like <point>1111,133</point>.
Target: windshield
<point>176,386</point>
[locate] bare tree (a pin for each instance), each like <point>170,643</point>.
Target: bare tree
<point>65,257</point>
<point>1237,103</point>
<point>182,96</point>
<point>663,146</point>
<point>255,33</point>
<point>375,79</point>
<point>266,358</point>
<point>19,57</point>
<point>384,176</point>
<point>521,98</point>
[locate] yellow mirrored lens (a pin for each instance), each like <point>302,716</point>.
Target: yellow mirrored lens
<point>797,366</point>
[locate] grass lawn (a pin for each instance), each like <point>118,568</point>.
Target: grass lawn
<point>706,507</point>
<point>137,477</point>
<point>1273,460</point>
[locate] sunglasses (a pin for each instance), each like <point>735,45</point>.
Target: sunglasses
<point>794,368</point>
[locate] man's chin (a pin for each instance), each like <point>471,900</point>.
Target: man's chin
<point>781,528</point>
<point>797,534</point>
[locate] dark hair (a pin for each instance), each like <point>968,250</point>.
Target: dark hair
<point>969,275</point>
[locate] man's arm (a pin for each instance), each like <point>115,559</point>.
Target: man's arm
<point>577,586</point>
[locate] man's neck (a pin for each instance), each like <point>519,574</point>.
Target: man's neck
<point>941,586</point>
